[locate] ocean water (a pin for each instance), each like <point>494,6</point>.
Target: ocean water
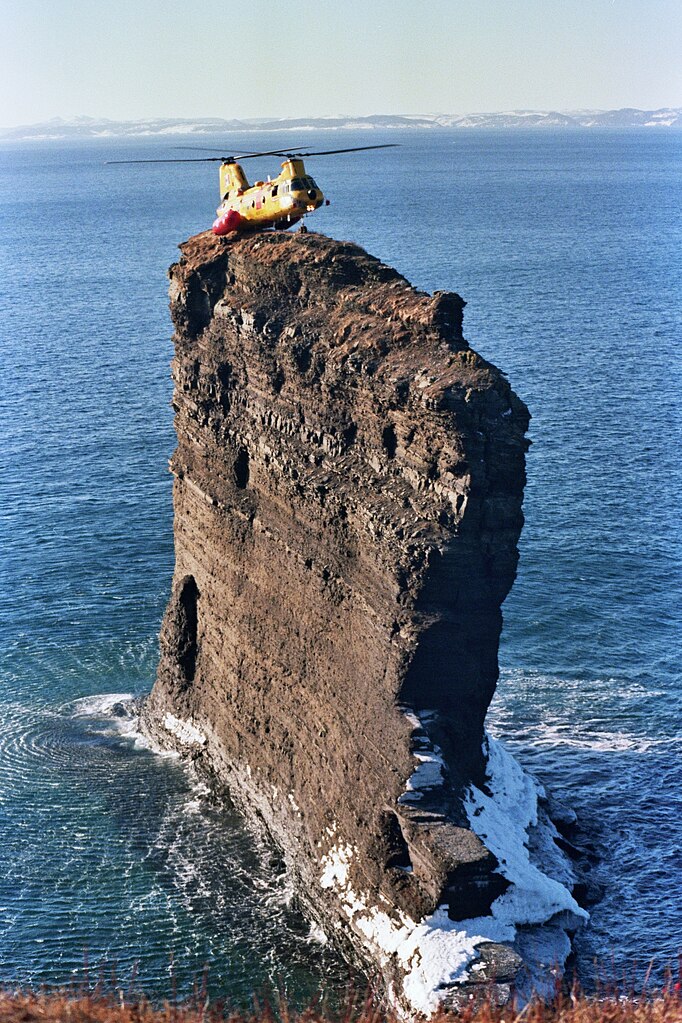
<point>566,247</point>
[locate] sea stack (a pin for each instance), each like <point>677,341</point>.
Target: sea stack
<point>348,499</point>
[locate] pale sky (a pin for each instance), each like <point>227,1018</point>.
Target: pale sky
<point>128,59</point>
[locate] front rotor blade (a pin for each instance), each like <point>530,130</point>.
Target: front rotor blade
<point>204,159</point>
<point>196,159</point>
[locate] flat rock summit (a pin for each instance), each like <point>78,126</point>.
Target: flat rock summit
<point>348,499</point>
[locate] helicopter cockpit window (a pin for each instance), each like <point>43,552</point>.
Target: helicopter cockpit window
<point>297,185</point>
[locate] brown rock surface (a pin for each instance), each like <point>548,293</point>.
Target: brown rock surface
<point>348,486</point>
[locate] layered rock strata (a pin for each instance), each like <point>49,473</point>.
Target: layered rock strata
<point>348,487</point>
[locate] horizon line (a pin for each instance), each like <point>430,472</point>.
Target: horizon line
<point>75,119</point>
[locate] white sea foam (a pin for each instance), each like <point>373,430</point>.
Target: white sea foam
<point>102,708</point>
<point>100,705</point>
<point>316,935</point>
<point>200,791</point>
<point>600,741</point>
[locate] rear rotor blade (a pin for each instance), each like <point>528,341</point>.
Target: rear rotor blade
<point>270,152</point>
<point>323,152</point>
<point>212,149</point>
<point>244,154</point>
<point>248,155</point>
<point>353,149</point>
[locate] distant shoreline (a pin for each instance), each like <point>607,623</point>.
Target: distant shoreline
<point>59,129</point>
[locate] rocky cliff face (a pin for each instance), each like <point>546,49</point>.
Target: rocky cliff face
<point>348,486</point>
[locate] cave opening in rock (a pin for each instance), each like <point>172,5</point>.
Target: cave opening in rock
<point>397,852</point>
<point>188,600</point>
<point>241,469</point>
<point>389,440</point>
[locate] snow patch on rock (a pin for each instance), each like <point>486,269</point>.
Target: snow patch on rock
<point>428,774</point>
<point>430,769</point>
<point>184,731</point>
<point>503,820</point>
<point>437,952</point>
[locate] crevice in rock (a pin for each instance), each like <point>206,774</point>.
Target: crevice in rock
<point>186,628</point>
<point>397,849</point>
<point>278,380</point>
<point>241,469</point>
<point>349,434</point>
<point>389,440</point>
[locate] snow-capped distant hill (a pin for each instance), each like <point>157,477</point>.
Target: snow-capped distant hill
<point>628,117</point>
<point>93,127</point>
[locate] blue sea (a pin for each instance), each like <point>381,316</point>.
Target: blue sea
<point>566,247</point>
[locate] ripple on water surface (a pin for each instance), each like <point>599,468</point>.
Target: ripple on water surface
<point>113,853</point>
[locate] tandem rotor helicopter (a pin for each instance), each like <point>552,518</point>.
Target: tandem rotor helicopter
<point>272,204</point>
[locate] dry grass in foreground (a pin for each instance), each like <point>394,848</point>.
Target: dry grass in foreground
<point>78,1007</point>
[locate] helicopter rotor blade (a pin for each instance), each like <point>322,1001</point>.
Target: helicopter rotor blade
<point>244,152</point>
<point>270,152</point>
<point>214,149</point>
<point>206,159</point>
<point>248,154</point>
<point>352,149</point>
<point>182,159</point>
<point>323,152</point>
<point>251,156</point>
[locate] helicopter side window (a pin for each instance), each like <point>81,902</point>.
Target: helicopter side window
<point>274,191</point>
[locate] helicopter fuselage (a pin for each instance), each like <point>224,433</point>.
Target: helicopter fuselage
<point>266,204</point>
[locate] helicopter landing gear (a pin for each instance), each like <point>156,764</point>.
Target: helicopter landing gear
<point>303,229</point>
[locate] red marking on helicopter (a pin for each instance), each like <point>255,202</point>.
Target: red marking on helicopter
<point>229,222</point>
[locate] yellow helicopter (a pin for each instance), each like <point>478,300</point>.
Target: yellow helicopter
<point>276,203</point>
